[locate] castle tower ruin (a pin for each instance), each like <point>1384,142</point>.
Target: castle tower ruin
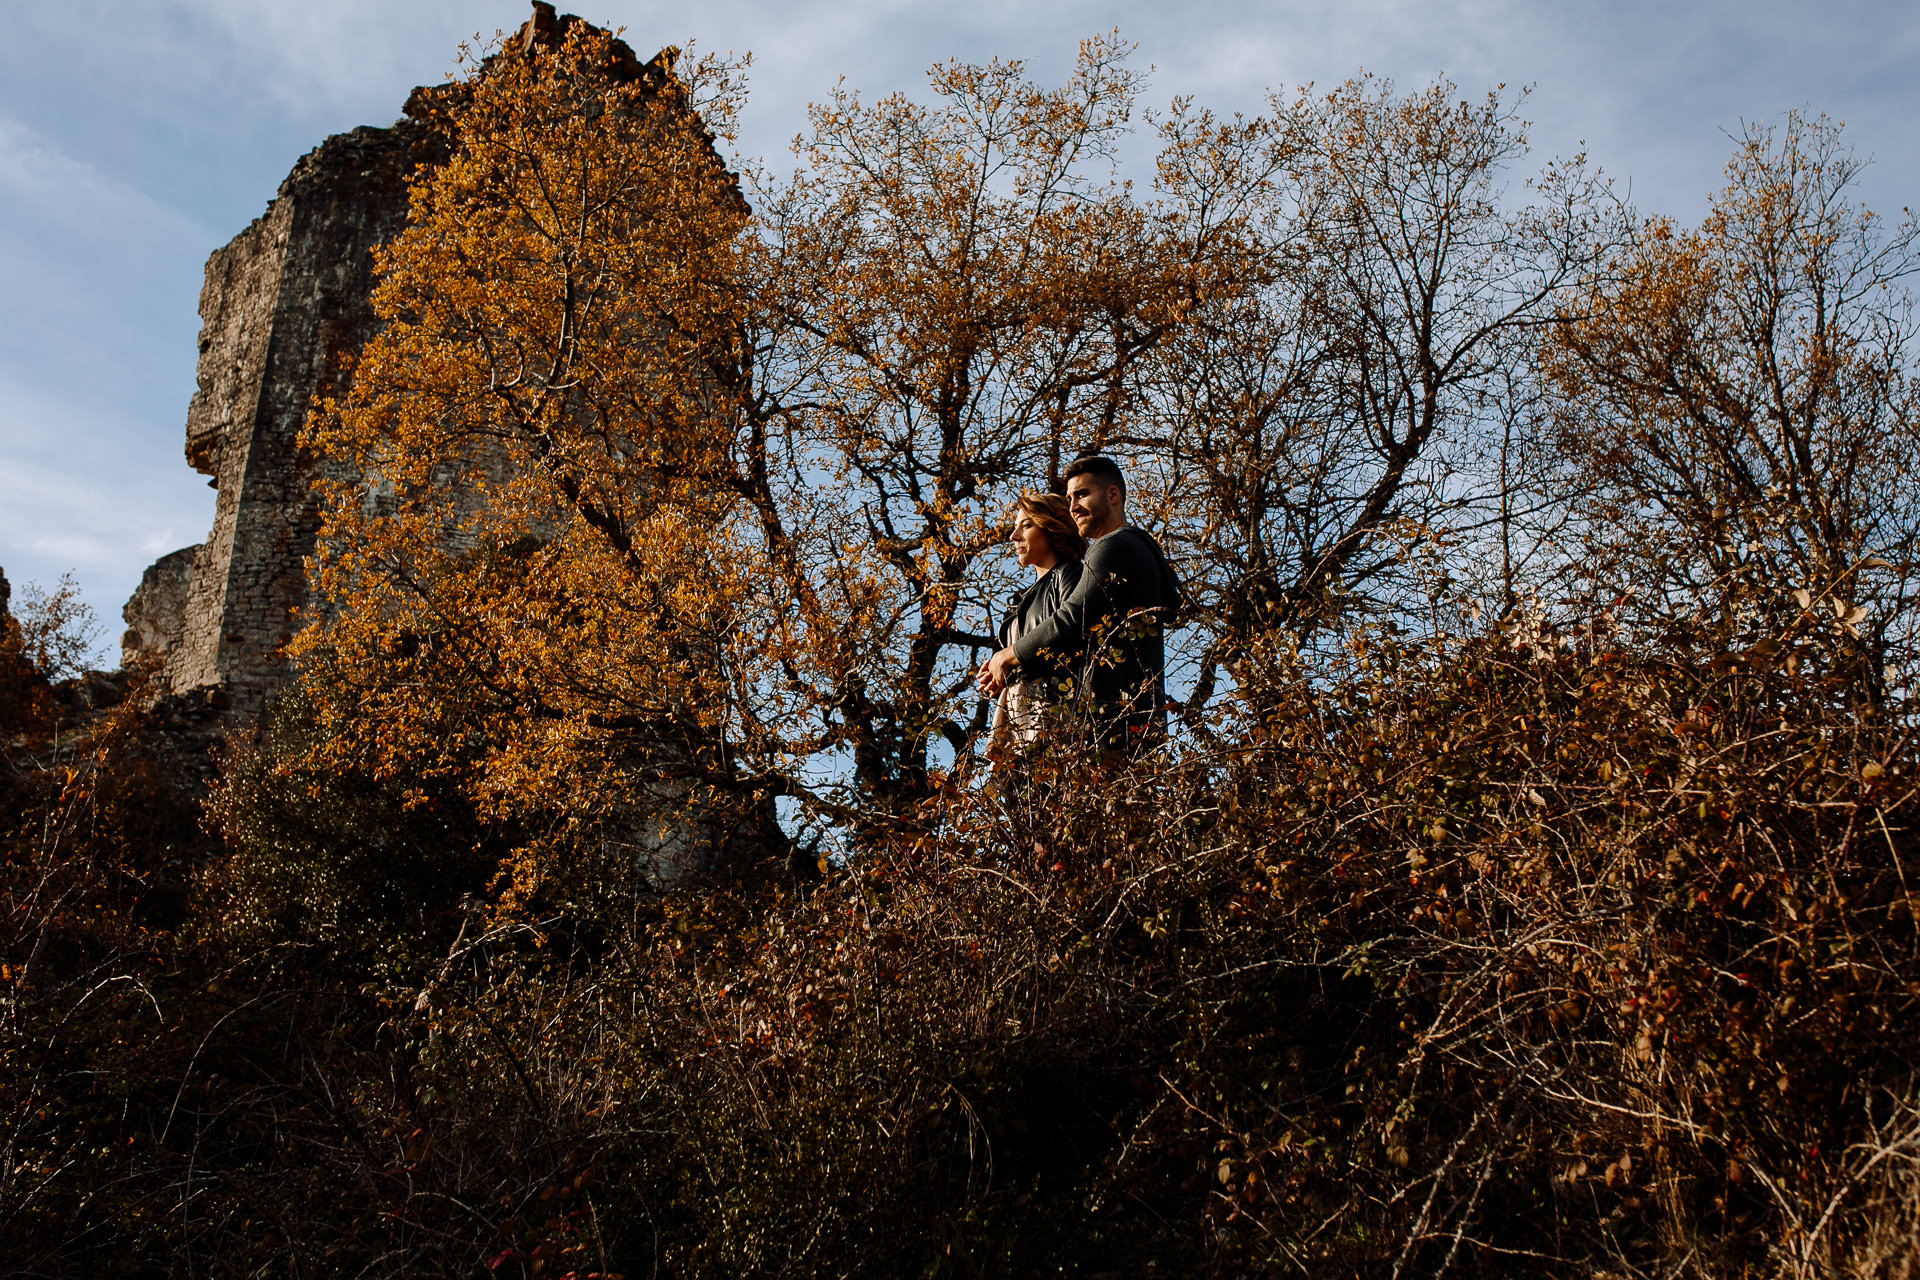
<point>283,302</point>
<point>285,305</point>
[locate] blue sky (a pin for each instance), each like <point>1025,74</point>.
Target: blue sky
<point>138,135</point>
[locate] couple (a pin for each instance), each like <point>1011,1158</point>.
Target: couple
<point>1090,631</point>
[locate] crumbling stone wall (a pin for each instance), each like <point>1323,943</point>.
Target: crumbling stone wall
<point>284,302</point>
<point>156,613</point>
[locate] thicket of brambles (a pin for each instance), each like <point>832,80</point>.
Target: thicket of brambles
<point>1525,887</point>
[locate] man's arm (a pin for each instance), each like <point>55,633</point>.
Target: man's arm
<point>1124,571</point>
<point>1063,632</point>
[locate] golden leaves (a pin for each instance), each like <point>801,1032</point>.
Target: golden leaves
<point>521,527</point>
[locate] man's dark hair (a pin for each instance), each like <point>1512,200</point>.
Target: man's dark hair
<point>1100,468</point>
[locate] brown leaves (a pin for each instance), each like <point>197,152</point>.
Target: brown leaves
<point>1738,392</point>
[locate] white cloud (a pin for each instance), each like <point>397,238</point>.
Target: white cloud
<point>41,181</point>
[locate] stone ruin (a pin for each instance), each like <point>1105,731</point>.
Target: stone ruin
<point>283,303</point>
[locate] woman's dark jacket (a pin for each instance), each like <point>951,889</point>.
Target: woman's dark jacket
<point>1035,605</point>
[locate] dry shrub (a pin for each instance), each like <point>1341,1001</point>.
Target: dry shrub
<point>1526,954</point>
<point>1523,955</point>
<point>1637,948</point>
<point>94,840</point>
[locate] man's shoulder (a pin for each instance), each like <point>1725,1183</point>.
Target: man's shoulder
<point>1137,558</point>
<point>1128,545</point>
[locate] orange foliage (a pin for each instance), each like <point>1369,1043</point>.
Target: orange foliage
<point>522,537</point>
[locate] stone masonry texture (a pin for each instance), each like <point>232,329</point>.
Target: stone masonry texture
<point>284,304</point>
<point>157,612</point>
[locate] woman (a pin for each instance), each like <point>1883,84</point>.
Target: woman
<point>1045,540</point>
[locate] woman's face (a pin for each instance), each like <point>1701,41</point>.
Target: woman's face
<point>1031,546</point>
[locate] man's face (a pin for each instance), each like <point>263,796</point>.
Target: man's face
<point>1092,504</point>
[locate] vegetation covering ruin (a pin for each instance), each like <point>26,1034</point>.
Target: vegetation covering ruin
<point>1526,887</point>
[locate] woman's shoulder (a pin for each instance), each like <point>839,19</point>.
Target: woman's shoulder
<point>1059,583</point>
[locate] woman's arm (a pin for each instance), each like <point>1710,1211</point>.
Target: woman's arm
<point>997,736</point>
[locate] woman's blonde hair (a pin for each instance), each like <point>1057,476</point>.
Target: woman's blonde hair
<point>1051,515</point>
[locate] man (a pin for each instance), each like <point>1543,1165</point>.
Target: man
<point>1108,636</point>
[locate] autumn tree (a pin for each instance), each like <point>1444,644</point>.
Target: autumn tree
<point>1353,401</point>
<point>955,295</point>
<point>519,550</point>
<point>1742,395</point>
<point>56,628</point>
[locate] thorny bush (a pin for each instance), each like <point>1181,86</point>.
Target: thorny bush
<point>1530,953</point>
